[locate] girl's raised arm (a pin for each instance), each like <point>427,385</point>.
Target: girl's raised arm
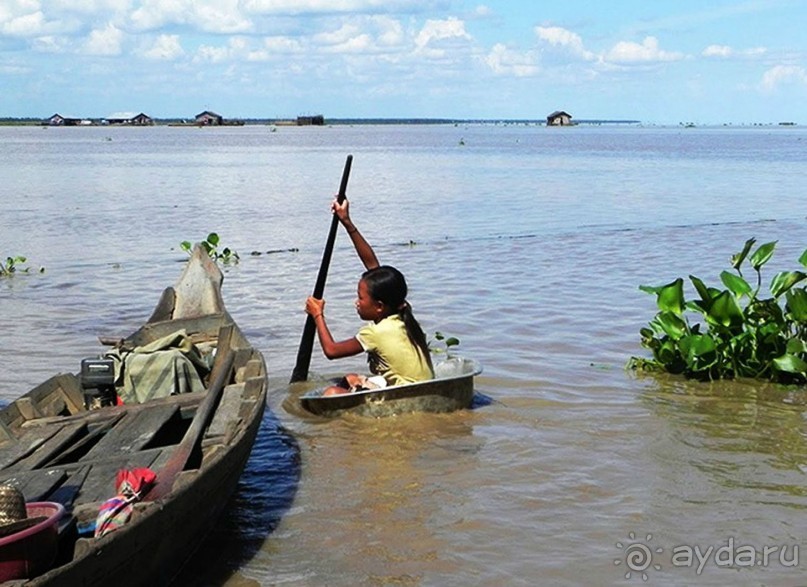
<point>363,248</point>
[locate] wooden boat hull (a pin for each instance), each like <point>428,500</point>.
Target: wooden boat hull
<point>451,389</point>
<point>55,449</point>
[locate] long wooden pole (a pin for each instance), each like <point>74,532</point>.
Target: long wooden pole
<point>300,372</point>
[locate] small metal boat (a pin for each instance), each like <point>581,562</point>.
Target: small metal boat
<point>451,389</point>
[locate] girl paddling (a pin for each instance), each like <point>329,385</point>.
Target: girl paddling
<point>396,347</point>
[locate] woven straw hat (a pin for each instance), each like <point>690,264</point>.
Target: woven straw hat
<point>12,505</point>
<point>13,513</point>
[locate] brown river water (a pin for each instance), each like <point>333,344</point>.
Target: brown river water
<point>526,243</point>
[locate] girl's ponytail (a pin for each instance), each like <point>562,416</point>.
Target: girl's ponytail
<point>415,333</point>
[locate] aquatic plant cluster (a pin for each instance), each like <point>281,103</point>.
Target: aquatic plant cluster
<point>732,331</point>
<point>14,265</point>
<point>443,343</point>
<point>226,255</point>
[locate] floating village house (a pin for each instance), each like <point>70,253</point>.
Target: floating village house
<point>559,118</point>
<point>138,120</point>
<point>208,118</point>
<point>59,120</point>
<point>315,120</point>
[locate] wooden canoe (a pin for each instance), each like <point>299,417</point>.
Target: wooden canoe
<point>451,389</point>
<point>54,449</point>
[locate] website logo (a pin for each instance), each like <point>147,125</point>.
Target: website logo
<point>638,556</point>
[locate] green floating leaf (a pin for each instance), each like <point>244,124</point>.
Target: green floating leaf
<point>738,286</point>
<point>671,324</point>
<point>700,351</point>
<point>667,354</point>
<point>725,311</point>
<point>803,258</point>
<point>213,239</point>
<point>670,297</point>
<point>790,364</point>
<point>784,280</point>
<point>796,346</point>
<point>737,260</point>
<point>701,288</point>
<point>452,341</point>
<point>762,255</point>
<point>797,304</point>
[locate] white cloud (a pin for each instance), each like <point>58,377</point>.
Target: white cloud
<point>235,48</point>
<point>435,31</point>
<point>165,48</point>
<point>718,51</point>
<point>106,41</point>
<point>755,51</point>
<point>89,6</point>
<point>213,16</point>
<point>627,52</point>
<point>21,25</point>
<point>783,74</point>
<point>560,37</point>
<point>726,52</point>
<point>220,16</point>
<point>347,39</point>
<point>390,32</point>
<point>504,61</point>
<point>212,54</point>
<point>297,7</point>
<point>50,44</point>
<point>622,53</point>
<point>13,69</point>
<point>482,11</point>
<point>341,35</point>
<point>11,10</point>
<point>282,45</point>
<point>154,14</point>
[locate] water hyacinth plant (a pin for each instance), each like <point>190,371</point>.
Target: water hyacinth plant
<point>210,244</point>
<point>443,343</point>
<point>14,265</point>
<point>734,330</point>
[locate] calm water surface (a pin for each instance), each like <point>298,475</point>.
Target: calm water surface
<point>529,245</point>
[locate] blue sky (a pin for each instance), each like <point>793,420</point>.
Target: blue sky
<point>657,61</point>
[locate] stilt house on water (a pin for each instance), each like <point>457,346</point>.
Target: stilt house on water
<point>559,118</point>
<point>315,120</point>
<point>208,118</point>
<point>137,120</point>
<point>59,120</point>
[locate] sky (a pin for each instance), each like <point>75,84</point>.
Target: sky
<point>655,61</point>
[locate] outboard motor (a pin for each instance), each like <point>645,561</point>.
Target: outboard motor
<point>98,382</point>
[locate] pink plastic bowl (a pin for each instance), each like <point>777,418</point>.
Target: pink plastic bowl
<point>31,551</point>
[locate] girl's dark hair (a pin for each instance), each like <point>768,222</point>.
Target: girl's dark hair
<point>387,285</point>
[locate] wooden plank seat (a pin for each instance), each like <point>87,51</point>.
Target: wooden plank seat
<point>133,432</point>
<point>184,401</point>
<point>80,483</point>
<point>35,449</point>
<point>35,485</point>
